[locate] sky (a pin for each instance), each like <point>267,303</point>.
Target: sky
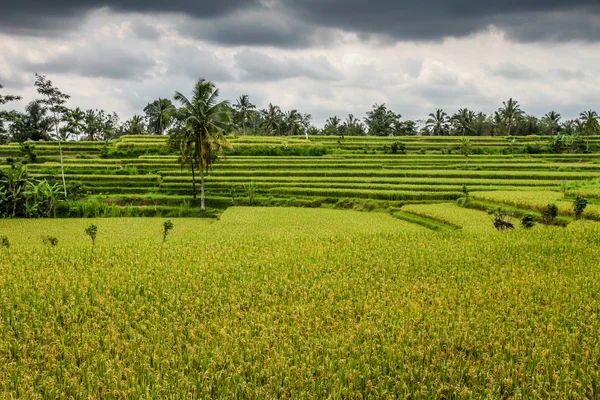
<point>323,57</point>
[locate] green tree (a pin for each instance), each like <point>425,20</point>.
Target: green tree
<point>463,122</point>
<point>552,119</point>
<point>135,125</point>
<point>76,121</point>
<point>589,126</point>
<point>511,112</point>
<point>438,123</point>
<point>465,148</point>
<point>55,100</point>
<point>160,114</point>
<point>245,110</point>
<point>204,119</point>
<point>381,121</point>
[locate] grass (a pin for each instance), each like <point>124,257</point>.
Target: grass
<point>279,303</point>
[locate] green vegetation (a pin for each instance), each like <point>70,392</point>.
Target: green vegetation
<point>299,302</point>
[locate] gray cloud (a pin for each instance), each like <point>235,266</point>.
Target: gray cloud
<point>257,66</point>
<point>194,62</point>
<point>145,31</point>
<point>300,23</point>
<point>525,73</point>
<point>93,60</point>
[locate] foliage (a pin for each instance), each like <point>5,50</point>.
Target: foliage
<point>50,240</point>
<point>167,227</point>
<point>501,218</point>
<point>549,213</point>
<point>250,190</point>
<point>4,242</point>
<point>92,232</point>
<point>579,206</point>
<point>528,221</point>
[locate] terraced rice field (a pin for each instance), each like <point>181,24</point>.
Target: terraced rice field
<point>142,172</point>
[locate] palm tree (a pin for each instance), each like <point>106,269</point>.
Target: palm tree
<point>160,115</point>
<point>91,128</point>
<point>75,121</point>
<point>553,120</point>
<point>590,125</point>
<point>135,126</point>
<point>39,120</point>
<point>245,110</point>
<point>511,112</point>
<point>292,121</point>
<point>438,122</point>
<point>463,120</point>
<point>205,120</point>
<point>272,119</point>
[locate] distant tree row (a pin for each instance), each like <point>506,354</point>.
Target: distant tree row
<point>43,121</point>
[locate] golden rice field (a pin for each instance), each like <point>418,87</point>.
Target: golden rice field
<point>298,303</point>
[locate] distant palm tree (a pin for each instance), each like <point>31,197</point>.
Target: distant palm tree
<point>553,120</point>
<point>438,122</point>
<point>205,120</point>
<point>245,110</point>
<point>272,119</point>
<point>39,120</point>
<point>160,114</point>
<point>511,112</point>
<point>463,120</point>
<point>75,121</point>
<point>589,125</point>
<point>135,126</point>
<point>292,121</point>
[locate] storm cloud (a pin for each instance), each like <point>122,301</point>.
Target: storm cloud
<point>298,23</point>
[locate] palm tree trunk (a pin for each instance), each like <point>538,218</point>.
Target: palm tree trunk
<point>202,189</point>
<point>244,126</point>
<point>62,166</point>
<point>194,180</point>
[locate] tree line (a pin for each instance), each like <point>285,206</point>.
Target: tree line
<point>41,120</point>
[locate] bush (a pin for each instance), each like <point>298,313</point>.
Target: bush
<point>579,206</point>
<point>501,217</point>
<point>4,242</point>
<point>49,241</point>
<point>528,221</point>
<point>167,227</point>
<point>92,231</point>
<point>549,213</point>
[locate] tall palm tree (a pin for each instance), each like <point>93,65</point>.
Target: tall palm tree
<point>272,119</point>
<point>511,112</point>
<point>553,120</point>
<point>75,121</point>
<point>292,121</point>
<point>205,120</point>
<point>438,123</point>
<point>463,120</point>
<point>92,126</point>
<point>39,120</point>
<point>135,126</point>
<point>245,110</point>
<point>590,125</point>
<point>160,114</point>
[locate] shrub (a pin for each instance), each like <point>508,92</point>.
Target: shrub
<point>92,231</point>
<point>528,221</point>
<point>549,213</point>
<point>49,241</point>
<point>167,227</point>
<point>579,206</point>
<point>250,191</point>
<point>4,242</point>
<point>501,217</point>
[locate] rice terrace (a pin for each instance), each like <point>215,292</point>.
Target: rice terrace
<point>207,248</point>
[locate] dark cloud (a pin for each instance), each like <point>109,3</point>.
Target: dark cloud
<point>299,23</point>
<point>257,66</point>
<point>93,60</point>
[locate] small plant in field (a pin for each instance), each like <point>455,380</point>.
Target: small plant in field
<point>50,241</point>
<point>549,213</point>
<point>501,218</point>
<point>579,206</point>
<point>167,227</point>
<point>528,221</point>
<point>250,191</point>
<point>92,231</point>
<point>4,242</point>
